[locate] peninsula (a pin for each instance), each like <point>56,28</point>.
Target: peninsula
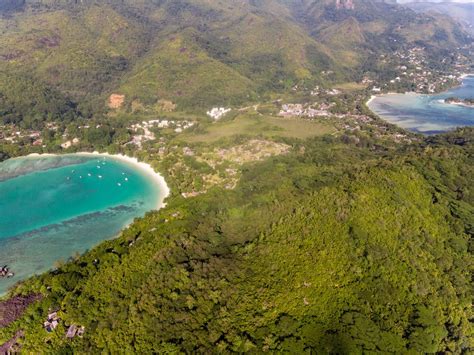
<point>460,102</point>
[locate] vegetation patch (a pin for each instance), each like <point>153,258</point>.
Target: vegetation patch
<point>254,124</point>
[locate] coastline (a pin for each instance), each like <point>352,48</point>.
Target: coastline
<point>372,98</point>
<point>460,78</point>
<point>445,121</point>
<point>145,168</point>
<point>461,104</point>
<point>22,266</point>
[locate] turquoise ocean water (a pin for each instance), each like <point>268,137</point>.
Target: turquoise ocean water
<point>54,206</point>
<point>427,114</point>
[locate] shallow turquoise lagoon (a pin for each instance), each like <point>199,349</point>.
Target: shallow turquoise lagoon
<point>52,207</point>
<point>427,114</point>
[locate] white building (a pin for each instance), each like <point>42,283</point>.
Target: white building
<point>218,112</point>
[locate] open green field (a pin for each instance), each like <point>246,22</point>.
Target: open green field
<point>350,86</point>
<point>261,125</point>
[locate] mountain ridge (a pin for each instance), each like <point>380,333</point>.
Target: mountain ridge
<point>88,59</point>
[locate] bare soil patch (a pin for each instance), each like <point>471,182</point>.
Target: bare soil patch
<point>116,101</point>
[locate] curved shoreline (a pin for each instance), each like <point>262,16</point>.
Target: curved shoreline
<point>25,269</point>
<point>443,121</point>
<point>459,103</point>
<point>372,97</point>
<point>145,168</point>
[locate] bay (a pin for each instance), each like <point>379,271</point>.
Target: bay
<point>52,207</point>
<point>426,114</point>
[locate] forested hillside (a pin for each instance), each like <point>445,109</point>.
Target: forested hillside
<point>334,248</point>
<point>41,103</point>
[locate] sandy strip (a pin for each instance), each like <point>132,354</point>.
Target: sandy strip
<point>461,104</point>
<point>33,155</point>
<point>143,167</point>
<point>371,99</point>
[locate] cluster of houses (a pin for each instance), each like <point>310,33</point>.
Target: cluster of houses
<point>300,110</point>
<point>412,69</point>
<point>348,122</point>
<point>319,91</point>
<point>333,92</point>
<point>74,331</point>
<point>141,132</point>
<point>70,143</point>
<point>217,113</point>
<point>359,118</point>
<point>144,134</point>
<point>13,134</point>
<point>53,321</point>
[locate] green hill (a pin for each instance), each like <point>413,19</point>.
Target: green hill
<point>180,71</point>
<point>231,52</point>
<point>339,249</point>
<point>374,27</point>
<point>30,103</point>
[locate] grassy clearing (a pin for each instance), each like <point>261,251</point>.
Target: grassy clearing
<point>255,125</point>
<point>350,86</point>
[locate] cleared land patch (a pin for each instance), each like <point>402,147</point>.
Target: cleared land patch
<point>255,125</point>
<point>350,86</point>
